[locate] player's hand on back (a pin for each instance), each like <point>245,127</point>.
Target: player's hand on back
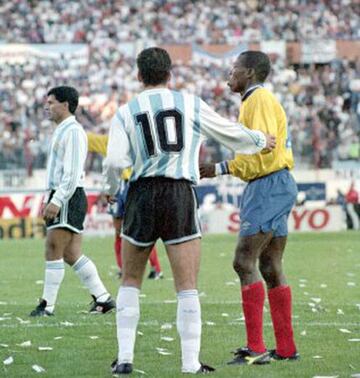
<point>207,170</point>
<point>270,143</point>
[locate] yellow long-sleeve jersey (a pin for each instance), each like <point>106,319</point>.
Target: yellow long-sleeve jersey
<point>98,143</point>
<point>262,111</point>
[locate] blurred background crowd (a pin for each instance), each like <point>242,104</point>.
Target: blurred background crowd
<point>321,100</point>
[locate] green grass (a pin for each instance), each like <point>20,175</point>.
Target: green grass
<point>317,266</point>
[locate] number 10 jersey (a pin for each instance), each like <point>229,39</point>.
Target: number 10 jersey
<point>160,131</point>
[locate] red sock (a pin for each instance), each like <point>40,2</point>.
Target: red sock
<point>117,248</point>
<point>280,308</point>
<point>154,261</point>
<point>253,298</point>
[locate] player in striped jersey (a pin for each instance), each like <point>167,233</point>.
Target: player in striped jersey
<point>159,133</point>
<point>66,206</point>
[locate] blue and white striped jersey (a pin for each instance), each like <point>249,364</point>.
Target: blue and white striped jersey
<point>66,160</point>
<point>160,131</point>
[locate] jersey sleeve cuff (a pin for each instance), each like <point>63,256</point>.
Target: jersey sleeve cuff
<point>222,168</point>
<point>56,201</point>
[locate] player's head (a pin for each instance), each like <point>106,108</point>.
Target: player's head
<point>61,101</point>
<point>250,67</point>
<point>154,65</point>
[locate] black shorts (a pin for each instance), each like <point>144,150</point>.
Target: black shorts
<point>160,207</point>
<point>72,214</point>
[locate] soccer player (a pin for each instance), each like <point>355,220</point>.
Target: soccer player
<point>264,209</point>
<point>66,206</point>
<point>159,133</point>
<point>98,143</point>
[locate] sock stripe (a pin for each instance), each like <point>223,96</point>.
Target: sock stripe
<point>80,263</point>
<point>187,294</point>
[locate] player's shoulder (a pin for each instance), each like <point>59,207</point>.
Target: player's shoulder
<point>262,97</point>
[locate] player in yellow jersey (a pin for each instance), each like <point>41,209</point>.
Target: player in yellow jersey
<point>98,143</point>
<point>264,209</point>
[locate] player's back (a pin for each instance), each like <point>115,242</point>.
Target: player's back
<point>164,133</point>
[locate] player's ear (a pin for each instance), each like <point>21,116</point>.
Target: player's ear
<point>250,72</point>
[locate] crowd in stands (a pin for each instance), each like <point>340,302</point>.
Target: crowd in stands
<point>172,21</point>
<point>322,101</point>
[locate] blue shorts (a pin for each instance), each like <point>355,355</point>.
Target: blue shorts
<point>117,210</point>
<point>266,204</point>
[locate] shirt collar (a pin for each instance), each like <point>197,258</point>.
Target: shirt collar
<point>250,90</point>
<point>66,121</point>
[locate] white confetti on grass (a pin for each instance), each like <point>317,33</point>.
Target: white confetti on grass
<point>339,311</point>
<point>25,344</point>
<point>67,324</point>
<point>316,300</point>
<point>44,349</point>
<point>317,357</point>
<point>354,340</point>
<point>225,315</point>
<point>38,368</point>
<point>3,303</point>
<point>323,286</point>
<point>209,323</point>
<point>8,361</point>
<point>166,326</point>
<point>140,333</point>
<point>93,337</point>
<point>344,330</point>
<point>21,321</point>
<point>39,282</point>
<point>4,345</point>
<point>351,284</point>
<point>230,283</point>
<point>142,295</point>
<point>163,351</point>
<point>303,333</point>
<point>168,301</point>
<point>58,337</point>
<point>140,371</point>
<point>4,318</point>
<point>302,285</point>
<point>167,338</point>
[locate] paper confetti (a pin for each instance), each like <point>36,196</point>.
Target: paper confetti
<point>230,283</point>
<point>58,337</point>
<point>167,338</point>
<point>303,333</point>
<point>4,318</point>
<point>339,311</point>
<point>25,344</point>
<point>316,300</point>
<point>8,361</point>
<point>168,301</point>
<point>323,286</point>
<point>209,323</point>
<point>166,326</point>
<point>344,330</point>
<point>3,303</point>
<point>163,351</point>
<point>317,357</point>
<point>21,321</point>
<point>351,284</point>
<point>140,371</point>
<point>354,340</point>
<point>39,282</point>
<point>38,368</point>
<point>142,295</point>
<point>4,345</point>
<point>93,337</point>
<point>40,348</point>
<point>224,314</point>
<point>67,324</point>
<point>140,333</point>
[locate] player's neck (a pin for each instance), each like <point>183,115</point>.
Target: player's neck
<point>250,85</point>
<point>63,118</point>
<point>159,86</point>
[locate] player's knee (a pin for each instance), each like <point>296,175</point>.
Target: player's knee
<point>270,269</point>
<point>243,266</point>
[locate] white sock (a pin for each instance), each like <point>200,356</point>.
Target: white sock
<point>54,274</point>
<point>88,274</point>
<point>127,318</point>
<point>188,324</point>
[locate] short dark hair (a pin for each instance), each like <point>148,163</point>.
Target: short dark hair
<point>257,60</point>
<point>154,65</point>
<point>66,94</point>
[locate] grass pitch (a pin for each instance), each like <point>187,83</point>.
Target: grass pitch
<point>323,270</point>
